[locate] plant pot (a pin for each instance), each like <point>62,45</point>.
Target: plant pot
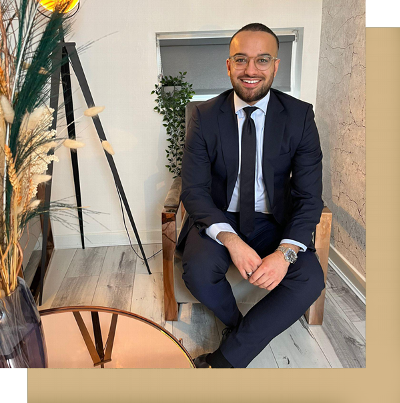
<point>22,343</point>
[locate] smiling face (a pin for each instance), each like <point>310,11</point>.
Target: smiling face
<point>251,84</point>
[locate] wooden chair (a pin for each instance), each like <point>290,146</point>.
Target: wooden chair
<point>175,291</point>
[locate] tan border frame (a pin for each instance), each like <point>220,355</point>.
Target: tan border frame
<point>379,381</point>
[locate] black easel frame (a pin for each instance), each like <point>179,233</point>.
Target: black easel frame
<point>67,51</point>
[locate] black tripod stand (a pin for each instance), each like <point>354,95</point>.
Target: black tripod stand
<point>67,54</point>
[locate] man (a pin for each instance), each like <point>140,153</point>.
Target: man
<point>252,182</point>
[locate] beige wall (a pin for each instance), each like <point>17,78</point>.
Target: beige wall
<point>121,69</point>
<point>341,121</point>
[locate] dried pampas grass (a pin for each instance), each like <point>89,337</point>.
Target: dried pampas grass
<point>73,144</point>
<point>95,110</point>
<point>107,146</point>
<point>28,42</point>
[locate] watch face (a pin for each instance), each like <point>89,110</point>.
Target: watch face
<point>291,255</point>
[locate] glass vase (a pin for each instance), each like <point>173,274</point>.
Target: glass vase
<point>22,343</point>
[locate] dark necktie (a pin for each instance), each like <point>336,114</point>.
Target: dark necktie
<point>247,173</point>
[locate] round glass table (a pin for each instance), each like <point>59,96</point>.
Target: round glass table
<point>87,337</point>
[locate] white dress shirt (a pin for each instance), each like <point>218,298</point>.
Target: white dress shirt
<point>261,204</point>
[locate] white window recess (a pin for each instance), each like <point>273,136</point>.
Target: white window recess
<point>203,55</point>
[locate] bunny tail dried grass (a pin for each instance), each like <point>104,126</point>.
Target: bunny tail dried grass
<point>31,120</point>
<point>107,146</point>
<point>73,144</point>
<point>7,109</point>
<point>94,110</point>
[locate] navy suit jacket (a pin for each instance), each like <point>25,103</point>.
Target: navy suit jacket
<point>292,165</point>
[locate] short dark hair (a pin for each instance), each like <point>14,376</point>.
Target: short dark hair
<point>255,27</point>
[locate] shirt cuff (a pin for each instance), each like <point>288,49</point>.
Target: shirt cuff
<point>302,247</point>
<point>213,230</point>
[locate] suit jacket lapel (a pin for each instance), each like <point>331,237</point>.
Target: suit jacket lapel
<point>228,128</point>
<point>274,127</point>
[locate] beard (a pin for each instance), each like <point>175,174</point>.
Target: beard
<point>251,95</point>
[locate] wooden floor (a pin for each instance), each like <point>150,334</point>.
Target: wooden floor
<point>115,277</point>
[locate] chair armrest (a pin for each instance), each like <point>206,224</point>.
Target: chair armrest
<point>169,238</point>
<point>323,237</point>
<point>172,200</point>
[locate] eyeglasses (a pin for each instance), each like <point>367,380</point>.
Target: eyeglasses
<point>261,62</point>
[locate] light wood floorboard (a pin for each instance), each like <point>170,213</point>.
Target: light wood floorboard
<point>147,298</point>
<point>351,305</point>
<point>318,333</point>
<point>333,279</point>
<point>343,335</point>
<point>118,268</point>
<point>265,359</point>
<point>76,291</point>
<point>113,296</point>
<point>116,277</point>
<point>59,264</point>
<point>155,262</point>
<point>197,328</point>
<point>87,262</point>
<point>169,326</point>
<point>361,328</point>
<point>294,348</point>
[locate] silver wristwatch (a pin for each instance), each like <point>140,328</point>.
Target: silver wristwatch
<point>289,254</point>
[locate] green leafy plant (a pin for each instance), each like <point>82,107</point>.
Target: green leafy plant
<point>173,94</point>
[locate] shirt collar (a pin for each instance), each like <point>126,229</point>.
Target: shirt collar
<point>261,104</point>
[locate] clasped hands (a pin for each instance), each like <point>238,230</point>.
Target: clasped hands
<point>265,273</point>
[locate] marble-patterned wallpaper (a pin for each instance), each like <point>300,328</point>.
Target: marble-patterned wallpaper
<point>340,117</point>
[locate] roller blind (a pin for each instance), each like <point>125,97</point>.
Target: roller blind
<point>204,60</point>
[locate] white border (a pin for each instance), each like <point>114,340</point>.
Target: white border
<point>382,13</point>
<point>14,385</point>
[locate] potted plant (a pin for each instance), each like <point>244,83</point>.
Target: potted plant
<point>173,93</point>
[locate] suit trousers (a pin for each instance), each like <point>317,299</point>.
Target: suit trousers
<point>205,263</point>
